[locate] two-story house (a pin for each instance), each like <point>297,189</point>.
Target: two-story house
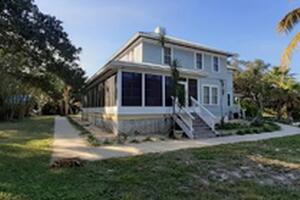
<point>132,92</point>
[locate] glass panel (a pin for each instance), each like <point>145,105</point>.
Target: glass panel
<point>192,86</point>
<point>168,91</point>
<point>206,95</point>
<point>216,64</point>
<point>131,89</point>
<point>199,60</point>
<point>228,100</point>
<point>153,90</point>
<point>167,56</point>
<point>214,92</point>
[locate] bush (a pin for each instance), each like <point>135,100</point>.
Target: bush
<point>256,130</point>
<point>240,132</point>
<point>247,131</point>
<point>229,126</point>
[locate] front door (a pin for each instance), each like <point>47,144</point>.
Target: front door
<point>182,93</point>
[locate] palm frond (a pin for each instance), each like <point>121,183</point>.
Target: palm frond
<point>287,24</point>
<point>288,52</point>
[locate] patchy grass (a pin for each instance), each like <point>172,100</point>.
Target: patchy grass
<point>92,140</point>
<point>258,170</point>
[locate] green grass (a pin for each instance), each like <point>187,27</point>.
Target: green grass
<point>257,170</point>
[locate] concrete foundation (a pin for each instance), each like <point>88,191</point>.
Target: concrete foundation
<point>143,126</point>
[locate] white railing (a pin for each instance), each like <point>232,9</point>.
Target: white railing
<point>208,117</point>
<point>184,118</point>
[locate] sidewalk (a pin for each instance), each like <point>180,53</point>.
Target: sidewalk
<point>68,143</point>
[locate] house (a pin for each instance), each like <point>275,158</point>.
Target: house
<point>131,93</point>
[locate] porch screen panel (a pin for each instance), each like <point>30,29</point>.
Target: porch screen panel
<point>168,91</point>
<point>131,89</point>
<point>110,91</point>
<point>193,91</point>
<point>153,90</point>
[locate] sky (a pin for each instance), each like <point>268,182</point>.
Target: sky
<point>246,27</point>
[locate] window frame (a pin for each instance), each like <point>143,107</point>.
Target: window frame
<point>229,102</point>
<point>196,60</point>
<point>141,89</point>
<point>210,103</point>
<point>163,55</point>
<point>161,90</point>
<point>213,63</point>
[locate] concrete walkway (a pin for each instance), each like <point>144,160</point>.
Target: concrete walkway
<point>67,143</point>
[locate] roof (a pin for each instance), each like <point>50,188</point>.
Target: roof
<point>168,39</point>
<point>113,65</point>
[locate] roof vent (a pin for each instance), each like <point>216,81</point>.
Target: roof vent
<point>160,30</point>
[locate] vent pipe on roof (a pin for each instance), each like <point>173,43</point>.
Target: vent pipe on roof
<point>160,30</point>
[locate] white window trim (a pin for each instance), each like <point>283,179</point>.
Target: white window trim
<point>210,94</point>
<point>195,60</point>
<point>163,54</point>
<point>212,64</point>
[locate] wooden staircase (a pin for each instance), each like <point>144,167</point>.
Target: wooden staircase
<point>201,129</point>
<point>196,124</point>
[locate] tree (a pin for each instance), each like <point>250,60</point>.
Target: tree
<point>286,25</point>
<point>175,76</point>
<point>252,85</point>
<point>36,51</point>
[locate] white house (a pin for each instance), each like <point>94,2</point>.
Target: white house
<point>132,92</point>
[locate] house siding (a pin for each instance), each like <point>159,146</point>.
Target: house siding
<point>152,53</point>
<point>185,58</point>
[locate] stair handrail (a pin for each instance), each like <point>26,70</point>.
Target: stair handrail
<point>181,115</point>
<point>208,116</point>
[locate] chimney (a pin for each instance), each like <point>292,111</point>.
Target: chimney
<point>160,30</point>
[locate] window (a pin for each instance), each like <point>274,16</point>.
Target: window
<point>228,99</point>
<point>210,95</point>
<point>199,59</point>
<point>168,91</point>
<point>214,93</point>
<point>167,55</point>
<point>131,89</point>
<point>192,87</point>
<point>206,95</point>
<point>216,64</point>
<point>153,90</point>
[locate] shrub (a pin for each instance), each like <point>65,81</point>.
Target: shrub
<point>247,131</point>
<point>256,130</point>
<point>240,132</point>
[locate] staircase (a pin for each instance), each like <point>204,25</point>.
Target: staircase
<point>196,124</point>
<point>201,129</point>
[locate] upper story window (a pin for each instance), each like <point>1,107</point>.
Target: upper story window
<point>167,55</point>
<point>216,64</point>
<point>199,60</point>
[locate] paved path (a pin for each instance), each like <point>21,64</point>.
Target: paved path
<point>67,143</point>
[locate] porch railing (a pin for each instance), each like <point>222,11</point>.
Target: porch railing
<point>183,118</point>
<point>208,117</point>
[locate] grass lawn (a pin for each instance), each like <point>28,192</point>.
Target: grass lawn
<point>259,170</point>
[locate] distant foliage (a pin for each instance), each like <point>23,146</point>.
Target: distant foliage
<point>37,59</point>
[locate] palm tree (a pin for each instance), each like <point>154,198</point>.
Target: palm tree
<point>285,26</point>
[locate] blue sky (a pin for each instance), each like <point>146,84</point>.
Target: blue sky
<point>247,27</point>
